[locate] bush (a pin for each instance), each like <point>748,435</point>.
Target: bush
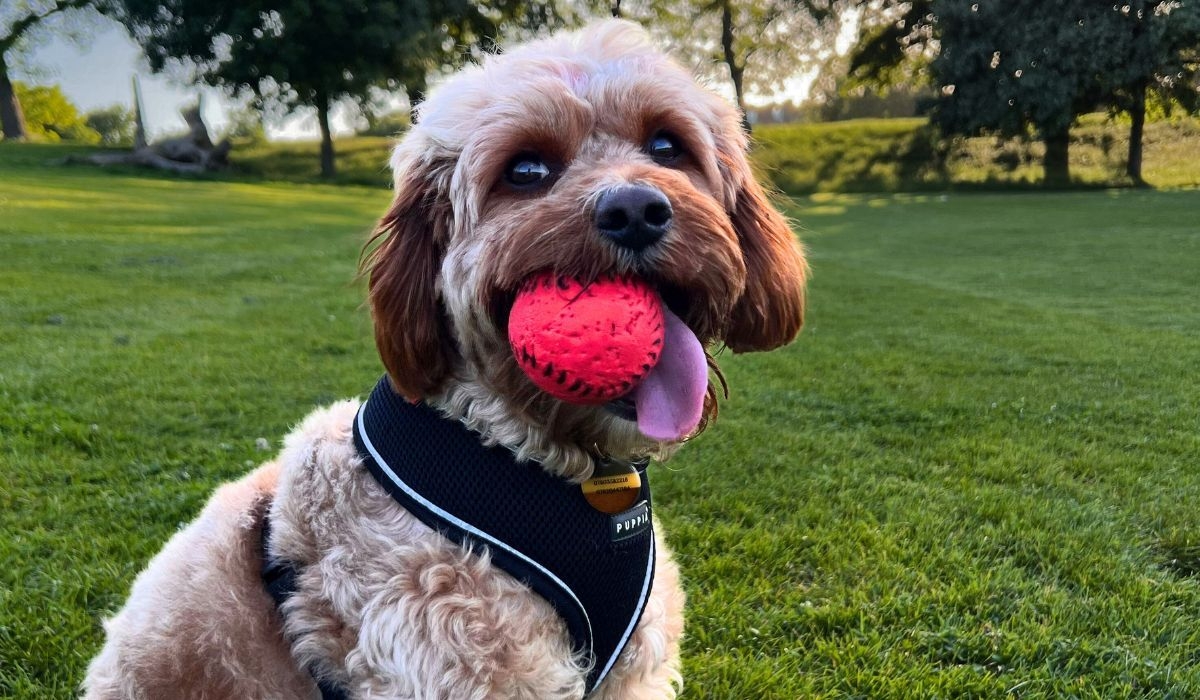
<point>50,116</point>
<point>246,126</point>
<point>115,125</point>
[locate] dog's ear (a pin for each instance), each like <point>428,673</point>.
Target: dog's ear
<point>411,329</point>
<point>770,311</point>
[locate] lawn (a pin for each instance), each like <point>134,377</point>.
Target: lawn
<point>973,476</point>
<point>862,155</point>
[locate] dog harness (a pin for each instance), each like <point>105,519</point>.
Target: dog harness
<point>594,568</point>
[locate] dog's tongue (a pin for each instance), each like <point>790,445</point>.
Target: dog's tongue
<point>670,399</point>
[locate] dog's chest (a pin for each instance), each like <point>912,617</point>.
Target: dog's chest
<point>595,569</point>
<point>519,595</point>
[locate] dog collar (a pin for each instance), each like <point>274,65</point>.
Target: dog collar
<point>594,568</point>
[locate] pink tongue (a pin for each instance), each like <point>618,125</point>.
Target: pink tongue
<point>670,399</point>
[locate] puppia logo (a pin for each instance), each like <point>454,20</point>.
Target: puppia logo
<point>632,522</point>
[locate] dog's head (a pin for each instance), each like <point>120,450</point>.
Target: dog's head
<point>585,154</point>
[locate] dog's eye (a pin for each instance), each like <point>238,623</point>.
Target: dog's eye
<point>664,148</point>
<point>526,170</point>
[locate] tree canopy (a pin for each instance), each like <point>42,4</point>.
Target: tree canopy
<point>50,116</point>
<point>114,124</point>
<point>757,45</point>
<point>293,53</point>
<point>19,20</point>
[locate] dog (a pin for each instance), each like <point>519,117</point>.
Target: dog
<point>543,158</point>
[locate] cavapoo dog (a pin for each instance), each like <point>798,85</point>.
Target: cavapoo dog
<point>439,540</point>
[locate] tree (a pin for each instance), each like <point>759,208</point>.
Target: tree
<point>757,45</point>
<point>18,20</point>
<point>834,95</point>
<point>301,53</point>
<point>115,125</point>
<point>1022,66</point>
<point>1159,50</point>
<point>1026,66</point>
<point>50,116</point>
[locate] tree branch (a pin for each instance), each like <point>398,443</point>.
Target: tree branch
<point>24,24</point>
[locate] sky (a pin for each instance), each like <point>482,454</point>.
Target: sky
<point>98,71</point>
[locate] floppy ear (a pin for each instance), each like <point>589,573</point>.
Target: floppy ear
<point>771,309</point>
<point>411,329</point>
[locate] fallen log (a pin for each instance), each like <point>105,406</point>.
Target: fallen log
<point>193,152</point>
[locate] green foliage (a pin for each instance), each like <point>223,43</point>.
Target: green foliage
<point>1022,68</point>
<point>114,124</point>
<point>868,155</point>
<point>835,94</point>
<point>854,156</point>
<point>362,161</point>
<point>23,23</point>
<point>50,116</point>
<point>884,155</point>
<point>246,126</point>
<point>1160,47</point>
<point>973,475</point>
<point>756,45</point>
<point>895,40</point>
<point>386,124</point>
<point>1007,67</point>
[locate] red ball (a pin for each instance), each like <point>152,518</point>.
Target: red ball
<point>586,344</point>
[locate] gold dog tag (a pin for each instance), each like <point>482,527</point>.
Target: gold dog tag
<point>613,488</point>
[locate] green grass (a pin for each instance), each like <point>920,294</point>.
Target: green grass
<point>865,155</point>
<point>975,475</point>
<point>361,160</point>
<point>902,155</point>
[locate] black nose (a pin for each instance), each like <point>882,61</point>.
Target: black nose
<point>633,216</point>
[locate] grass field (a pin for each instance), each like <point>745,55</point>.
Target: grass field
<point>975,475</point>
<point>903,155</point>
<point>866,155</point>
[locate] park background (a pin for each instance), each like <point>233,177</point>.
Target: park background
<point>974,475</point>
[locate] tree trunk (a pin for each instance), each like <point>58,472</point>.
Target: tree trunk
<point>1056,169</point>
<point>736,72</point>
<point>1137,102</point>
<point>1137,111</point>
<point>12,119</point>
<point>328,170</point>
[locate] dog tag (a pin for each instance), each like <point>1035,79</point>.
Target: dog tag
<point>614,486</point>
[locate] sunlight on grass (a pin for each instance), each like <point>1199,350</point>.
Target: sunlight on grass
<point>973,476</point>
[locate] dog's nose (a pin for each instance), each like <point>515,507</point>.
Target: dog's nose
<point>633,216</point>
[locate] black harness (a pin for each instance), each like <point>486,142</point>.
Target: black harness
<point>595,569</point>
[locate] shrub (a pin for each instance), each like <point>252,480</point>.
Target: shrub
<point>114,124</point>
<point>50,116</point>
